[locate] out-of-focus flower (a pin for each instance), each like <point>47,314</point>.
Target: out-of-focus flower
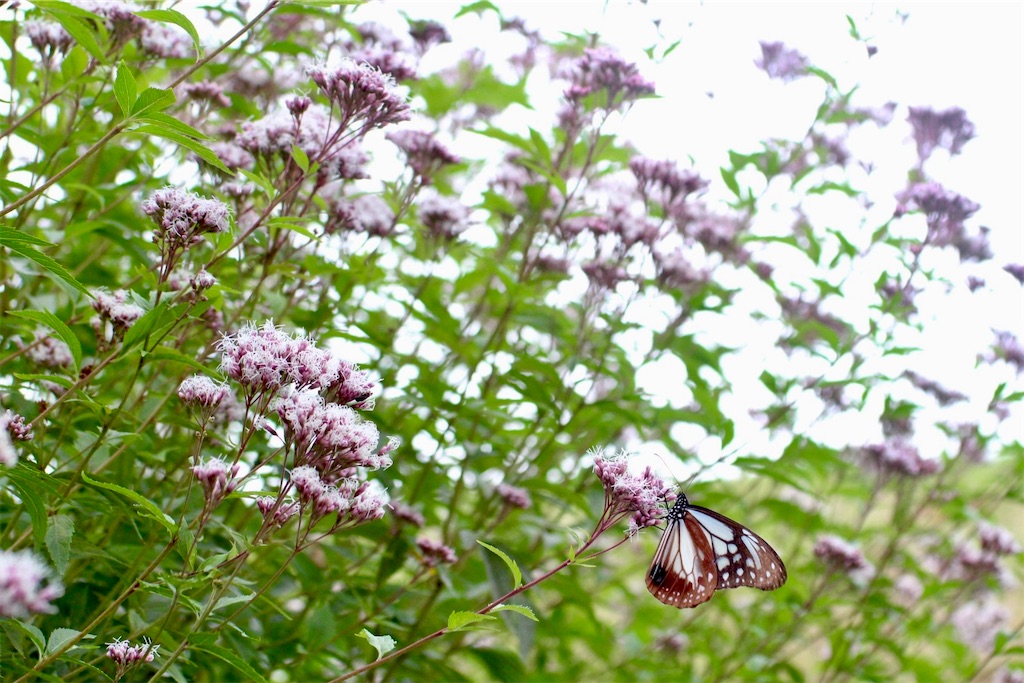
<point>218,479</point>
<point>404,513</point>
<point>435,553</point>
<point>426,34</point>
<point>514,496</point>
<point>361,94</point>
<point>945,212</point>
<point>115,316</point>
<point>949,129</point>
<point>944,396</point>
<point>423,153</point>
<point>22,589</point>
<point>444,217</point>
<point>166,41</point>
<point>367,213</point>
<point>1008,348</point>
<point>601,71</point>
<point>49,38</point>
<point>779,62</point>
<point>896,456</point>
<point>50,352</point>
<point>977,623</point>
<point>840,555</point>
<point>206,91</point>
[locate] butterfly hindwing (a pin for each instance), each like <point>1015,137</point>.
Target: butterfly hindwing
<point>702,551</point>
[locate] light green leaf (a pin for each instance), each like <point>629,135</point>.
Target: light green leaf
<point>154,100</point>
<point>170,16</point>
<point>22,245</point>
<point>59,636</point>
<point>512,566</point>
<point>458,621</point>
<point>188,143</point>
<point>125,89</point>
<point>382,644</point>
<point>59,532</point>
<point>149,509</point>
<point>64,332</point>
<point>518,609</point>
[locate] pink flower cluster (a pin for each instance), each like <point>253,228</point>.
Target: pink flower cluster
<point>183,217</point>
<point>949,129</point>
<point>126,656</point>
<point>115,315</point>
<point>22,592</point>
<point>218,479</point>
<point>514,496</point>
<point>352,501</point>
<point>424,154</point>
<point>600,70</point>
<point>203,392</point>
<point>331,437</point>
<point>266,359</point>
<point>641,496</point>
<point>896,456</point>
<point>945,212</point>
<point>361,94</point>
<point>779,62</point>
<point>435,553</point>
<point>838,554</point>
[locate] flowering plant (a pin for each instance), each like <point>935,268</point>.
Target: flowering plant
<point>312,349</point>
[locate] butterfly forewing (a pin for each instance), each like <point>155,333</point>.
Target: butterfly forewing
<point>702,551</point>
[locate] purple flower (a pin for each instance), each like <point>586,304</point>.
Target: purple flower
<point>182,218</point>
<point>274,514</point>
<point>361,93</point>
<point>435,553</point>
<point>367,213</point>
<point>1007,347</point>
<point>22,593</point>
<point>945,212</point>
<point>949,129</point>
<point>166,41</point>
<point>444,217</point>
<point>675,270</point>
<point>50,352</point>
<point>514,496</point>
<point>944,396</point>
<point>115,316</point>
<point>404,513</point>
<point>838,554</point>
<point>978,623</point>
<point>605,274</point>
<point>218,479</point>
<point>663,181</point>
<point>202,391</point>
<point>127,656</point>
<point>1016,270</point>
<point>424,154</point>
<point>206,91</point>
<point>49,38</point>
<point>643,497</point>
<point>601,70</point>
<point>426,34</point>
<point>898,457</point>
<point>779,62</point>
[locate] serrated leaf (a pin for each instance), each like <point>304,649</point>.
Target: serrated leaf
<point>382,644</point>
<point>458,621</point>
<point>518,609</point>
<point>170,16</point>
<point>34,492</point>
<point>125,89</point>
<point>152,101</point>
<point>64,332</point>
<point>59,636</point>
<point>149,509</point>
<point>59,532</point>
<point>21,245</point>
<point>512,566</point>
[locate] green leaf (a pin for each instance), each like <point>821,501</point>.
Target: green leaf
<point>34,488</point>
<point>382,644</point>
<point>149,509</point>
<point>518,609</point>
<point>173,125</point>
<point>154,100</point>
<point>145,325</point>
<point>125,89</point>
<point>73,20</point>
<point>64,332</point>
<point>59,532</point>
<point>188,143</point>
<point>59,636</point>
<point>164,353</point>
<point>231,658</point>
<point>301,158</point>
<point>458,621</point>
<point>512,566</point>
<point>170,16</point>
<point>22,245</point>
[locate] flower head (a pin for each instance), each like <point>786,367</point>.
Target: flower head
<point>779,62</point>
<point>601,71</point>
<point>127,656</point>
<point>514,496</point>
<point>899,457</point>
<point>435,553</point>
<point>424,154</point>
<point>22,593</point>
<point>643,497</point>
<point>933,129</point>
<point>840,555</point>
<point>361,93</point>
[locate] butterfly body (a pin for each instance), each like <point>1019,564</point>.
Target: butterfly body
<point>702,551</point>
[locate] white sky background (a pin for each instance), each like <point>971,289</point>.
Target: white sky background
<point>937,55</point>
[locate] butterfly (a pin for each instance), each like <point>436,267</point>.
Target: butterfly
<point>702,551</point>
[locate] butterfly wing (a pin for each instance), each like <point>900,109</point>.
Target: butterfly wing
<point>742,558</point>
<point>683,571</point>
